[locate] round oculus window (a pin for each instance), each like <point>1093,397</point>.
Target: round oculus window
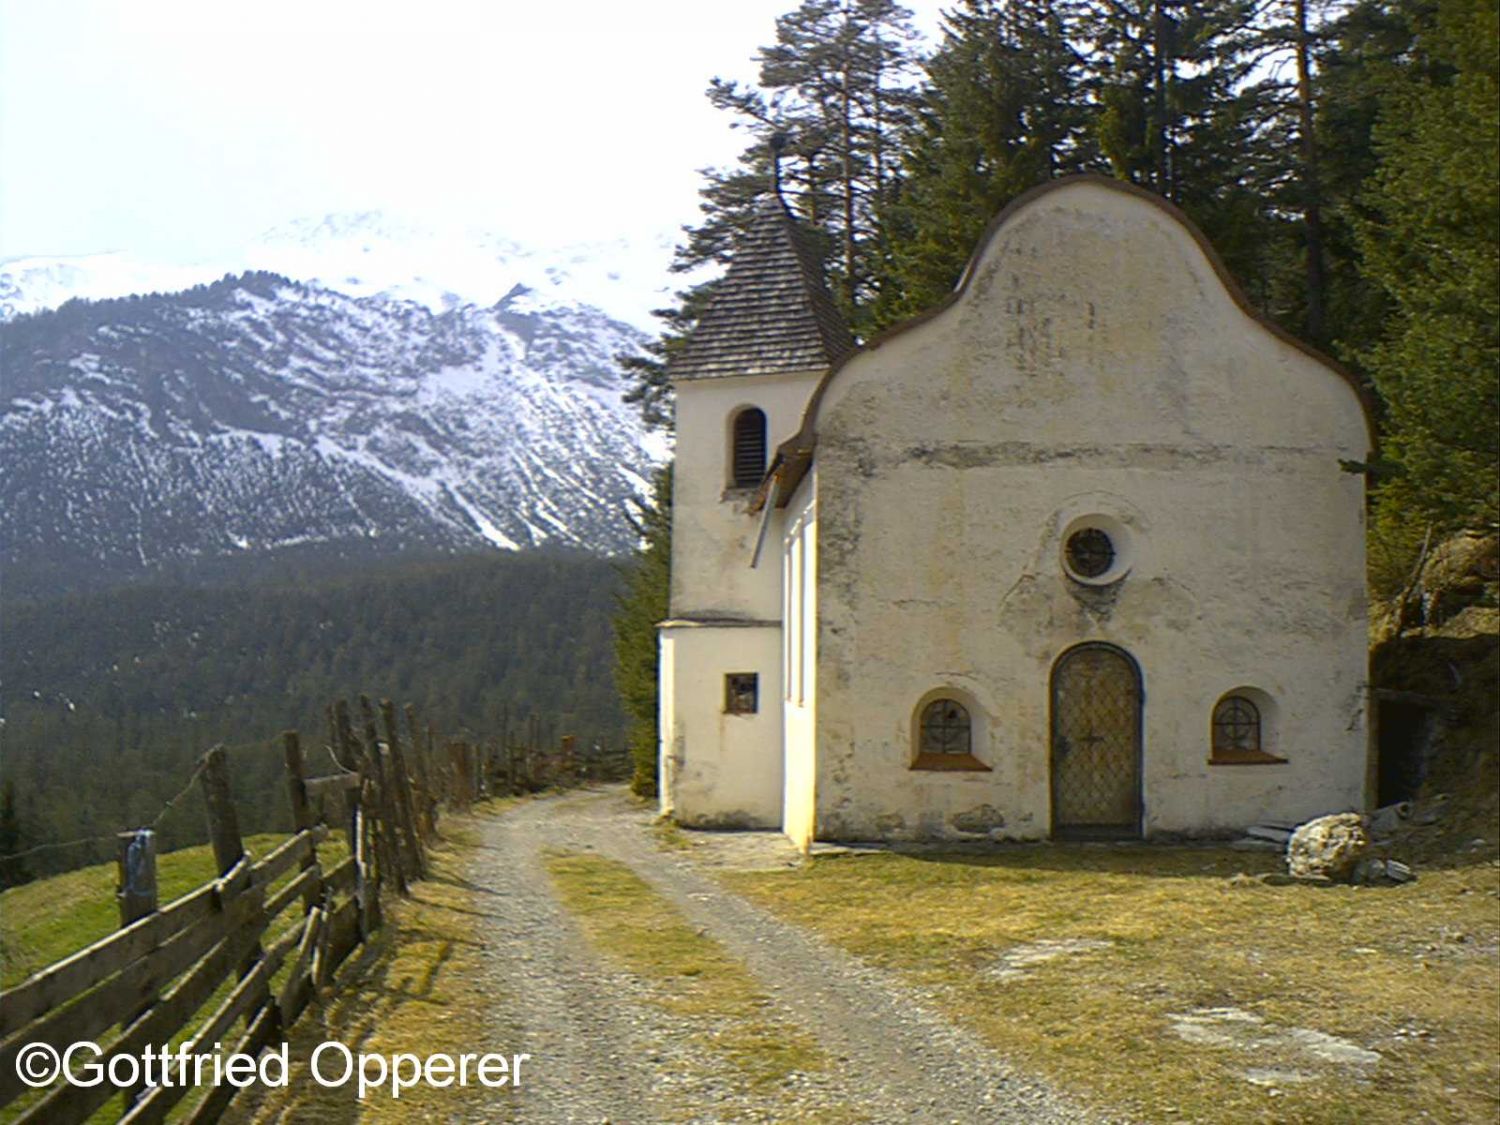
<point>1090,552</point>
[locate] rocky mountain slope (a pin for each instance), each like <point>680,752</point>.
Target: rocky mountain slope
<point>258,414</point>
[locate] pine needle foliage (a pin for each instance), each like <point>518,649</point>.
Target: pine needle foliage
<point>639,608</point>
<point>1433,244</point>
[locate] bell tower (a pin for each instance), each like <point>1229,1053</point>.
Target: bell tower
<point>742,379</point>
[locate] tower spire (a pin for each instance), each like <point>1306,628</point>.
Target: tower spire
<point>778,145</point>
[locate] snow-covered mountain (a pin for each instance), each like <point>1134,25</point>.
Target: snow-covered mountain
<point>258,413</point>
<point>373,253</point>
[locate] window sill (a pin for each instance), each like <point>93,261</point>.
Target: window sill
<point>1246,758</point>
<point>950,763</point>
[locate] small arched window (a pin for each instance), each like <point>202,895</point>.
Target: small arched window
<point>945,728</point>
<point>1236,728</point>
<point>748,448</point>
<point>944,736</point>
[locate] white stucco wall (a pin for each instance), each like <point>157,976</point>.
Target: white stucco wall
<point>720,770</point>
<point>799,560</point>
<point>713,530</point>
<point>1094,365</point>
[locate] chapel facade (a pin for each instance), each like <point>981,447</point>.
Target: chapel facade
<point>1074,554</point>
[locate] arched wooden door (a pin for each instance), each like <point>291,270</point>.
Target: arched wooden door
<point>1096,743</point>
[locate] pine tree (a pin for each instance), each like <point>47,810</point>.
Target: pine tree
<point>834,90</point>
<point>1433,243</point>
<point>1172,111</point>
<point>639,608</point>
<point>1002,110</point>
<point>836,85</point>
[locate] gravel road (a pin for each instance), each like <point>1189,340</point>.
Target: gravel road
<point>603,1052</point>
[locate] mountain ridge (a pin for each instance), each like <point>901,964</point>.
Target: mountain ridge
<point>258,413</point>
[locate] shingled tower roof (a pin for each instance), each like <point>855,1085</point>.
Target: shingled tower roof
<point>771,314</point>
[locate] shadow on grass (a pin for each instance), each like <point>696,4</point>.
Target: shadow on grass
<point>1129,859</point>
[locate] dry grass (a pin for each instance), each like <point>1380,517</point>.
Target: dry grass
<point>420,987</point>
<point>694,975</point>
<point>1410,972</point>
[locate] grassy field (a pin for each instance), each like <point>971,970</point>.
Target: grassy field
<point>695,975</point>
<point>1169,984</point>
<point>49,919</point>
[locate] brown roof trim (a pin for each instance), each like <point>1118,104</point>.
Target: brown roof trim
<point>794,456</point>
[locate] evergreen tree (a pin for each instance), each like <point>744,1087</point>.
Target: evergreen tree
<point>1172,111</point>
<point>1001,111</point>
<point>1353,52</point>
<point>834,90</point>
<point>14,872</point>
<point>1433,243</point>
<point>836,86</point>
<point>641,606</point>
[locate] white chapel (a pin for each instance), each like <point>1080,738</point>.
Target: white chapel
<point>1071,555</point>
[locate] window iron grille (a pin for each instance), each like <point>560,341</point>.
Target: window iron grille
<point>1090,552</point>
<point>946,728</point>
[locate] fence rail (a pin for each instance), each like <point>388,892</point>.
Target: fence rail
<point>253,947</point>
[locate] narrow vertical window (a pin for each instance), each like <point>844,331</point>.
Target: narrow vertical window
<point>748,453</point>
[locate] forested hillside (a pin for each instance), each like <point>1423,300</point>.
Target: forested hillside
<point>111,697</point>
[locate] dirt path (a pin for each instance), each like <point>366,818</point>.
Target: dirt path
<point>602,1052</point>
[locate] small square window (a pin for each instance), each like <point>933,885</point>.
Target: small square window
<point>742,693</point>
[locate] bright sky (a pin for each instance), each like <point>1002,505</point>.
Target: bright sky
<point>172,128</point>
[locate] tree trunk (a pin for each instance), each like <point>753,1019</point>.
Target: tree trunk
<point>1312,216</point>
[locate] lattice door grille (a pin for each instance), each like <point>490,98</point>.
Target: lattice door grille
<point>1096,725</point>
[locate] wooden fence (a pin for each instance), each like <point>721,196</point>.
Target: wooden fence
<point>250,949</point>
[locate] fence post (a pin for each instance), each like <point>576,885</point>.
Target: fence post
<point>135,858</point>
<point>223,822</point>
<point>135,861</point>
<point>302,816</point>
<point>386,814</point>
<point>457,762</point>
<point>405,809</point>
<point>224,835</point>
<point>428,809</point>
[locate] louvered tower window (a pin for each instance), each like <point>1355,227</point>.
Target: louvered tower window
<point>749,452</point>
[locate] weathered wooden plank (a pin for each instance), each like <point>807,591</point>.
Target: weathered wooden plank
<point>388,846</point>
<point>306,882</point>
<point>343,936</point>
<point>262,1029</point>
<point>297,987</point>
<point>135,862</point>
<point>154,1105</point>
<point>319,787</point>
<point>67,1103</point>
<point>340,877</point>
<point>122,998</point>
<point>60,982</point>
<point>288,853</point>
<point>406,812</point>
